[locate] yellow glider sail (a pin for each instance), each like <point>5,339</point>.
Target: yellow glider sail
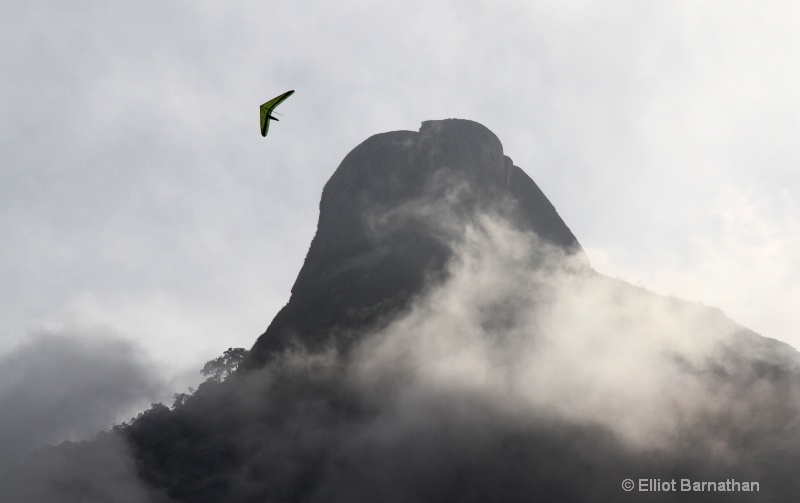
<point>268,107</point>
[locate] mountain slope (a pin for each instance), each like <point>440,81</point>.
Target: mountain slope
<point>446,340</point>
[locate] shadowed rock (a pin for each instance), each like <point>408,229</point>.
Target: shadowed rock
<point>388,218</point>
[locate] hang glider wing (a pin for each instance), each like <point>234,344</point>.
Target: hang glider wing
<point>268,107</point>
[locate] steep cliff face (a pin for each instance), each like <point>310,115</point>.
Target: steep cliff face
<point>389,218</point>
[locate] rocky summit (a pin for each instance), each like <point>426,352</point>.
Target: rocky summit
<point>388,218</point>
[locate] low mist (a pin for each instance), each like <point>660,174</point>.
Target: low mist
<point>69,385</point>
<point>523,374</point>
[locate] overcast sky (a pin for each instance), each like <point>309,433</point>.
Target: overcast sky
<point>138,196</point>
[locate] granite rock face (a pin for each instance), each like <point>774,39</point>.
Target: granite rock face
<point>389,217</point>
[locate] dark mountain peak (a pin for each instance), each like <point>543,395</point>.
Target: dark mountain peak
<point>389,217</point>
<point>508,378</point>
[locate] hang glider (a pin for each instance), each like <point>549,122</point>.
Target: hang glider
<point>267,111</point>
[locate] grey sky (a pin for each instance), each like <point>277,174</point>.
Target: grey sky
<point>136,190</point>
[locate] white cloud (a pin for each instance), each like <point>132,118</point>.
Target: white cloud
<point>549,341</point>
